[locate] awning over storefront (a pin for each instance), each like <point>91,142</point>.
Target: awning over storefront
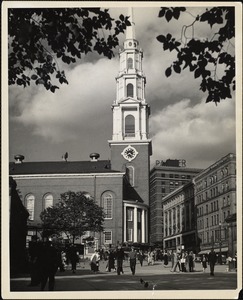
<point>204,252</point>
<point>224,249</point>
<point>217,250</point>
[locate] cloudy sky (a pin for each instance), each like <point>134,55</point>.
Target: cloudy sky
<point>77,119</point>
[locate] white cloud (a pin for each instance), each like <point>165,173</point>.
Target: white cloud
<point>199,133</point>
<point>79,115</point>
<point>81,105</point>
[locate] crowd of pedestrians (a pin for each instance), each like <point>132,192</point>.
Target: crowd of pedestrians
<point>45,259</point>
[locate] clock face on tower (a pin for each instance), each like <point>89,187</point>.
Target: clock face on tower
<point>129,153</point>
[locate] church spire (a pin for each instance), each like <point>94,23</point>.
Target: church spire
<point>130,32</point>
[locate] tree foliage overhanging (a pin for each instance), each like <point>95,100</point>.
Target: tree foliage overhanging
<point>38,37</point>
<point>74,215</point>
<point>204,57</point>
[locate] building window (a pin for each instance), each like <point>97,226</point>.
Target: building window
<point>129,125</point>
<point>30,205</point>
<point>108,237</point>
<point>129,214</point>
<point>171,175</point>
<point>216,191</point>
<point>130,235</point>
<point>163,175</point>
<point>48,200</point>
<point>130,63</point>
<point>130,90</point>
<point>108,205</point>
<point>130,174</point>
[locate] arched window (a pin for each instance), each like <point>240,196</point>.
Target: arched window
<point>129,125</point>
<point>30,205</point>
<point>130,175</point>
<point>107,199</point>
<point>130,63</point>
<point>48,200</point>
<point>130,90</point>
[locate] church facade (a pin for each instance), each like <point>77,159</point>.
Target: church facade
<point>121,185</point>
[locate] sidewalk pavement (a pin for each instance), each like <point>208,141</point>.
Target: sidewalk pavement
<point>83,269</point>
<point>157,276</point>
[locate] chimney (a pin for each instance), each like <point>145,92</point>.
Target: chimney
<point>94,156</point>
<point>19,158</point>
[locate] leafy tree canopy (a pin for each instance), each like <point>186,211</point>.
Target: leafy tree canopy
<point>38,37</point>
<point>74,215</point>
<point>209,59</point>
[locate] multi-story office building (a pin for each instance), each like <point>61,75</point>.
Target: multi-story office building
<point>179,219</point>
<point>165,177</point>
<point>215,201</point>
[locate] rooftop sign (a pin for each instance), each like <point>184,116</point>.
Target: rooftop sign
<point>171,163</point>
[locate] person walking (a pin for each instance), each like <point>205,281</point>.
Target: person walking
<point>183,262</point>
<point>34,250</point>
<point>165,259</point>
<point>191,261</point>
<point>119,259</point>
<point>150,257</point>
<point>48,261</point>
<point>172,259</point>
<point>204,262</point>
<point>176,262</point>
<point>140,257</point>
<point>111,261</point>
<point>73,258</point>
<point>212,258</point>
<point>133,260</point>
<point>94,261</point>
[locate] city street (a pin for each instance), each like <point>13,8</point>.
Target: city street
<point>157,277</point>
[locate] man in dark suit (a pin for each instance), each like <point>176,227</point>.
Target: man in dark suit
<point>212,258</point>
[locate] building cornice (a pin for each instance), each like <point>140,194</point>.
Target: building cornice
<point>70,176</point>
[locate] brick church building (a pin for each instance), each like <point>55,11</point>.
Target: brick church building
<point>120,185</point>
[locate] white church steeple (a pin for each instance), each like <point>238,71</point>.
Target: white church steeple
<point>130,110</point>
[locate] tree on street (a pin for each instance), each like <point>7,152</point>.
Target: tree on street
<point>42,39</point>
<point>212,58</point>
<point>74,215</point>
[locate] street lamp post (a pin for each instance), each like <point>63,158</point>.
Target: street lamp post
<point>220,244</point>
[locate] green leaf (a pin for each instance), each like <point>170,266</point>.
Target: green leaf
<point>168,72</point>
<point>34,77</point>
<point>177,68</point>
<point>176,13</point>
<point>168,15</point>
<point>162,12</point>
<point>197,73</point>
<point>161,38</point>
